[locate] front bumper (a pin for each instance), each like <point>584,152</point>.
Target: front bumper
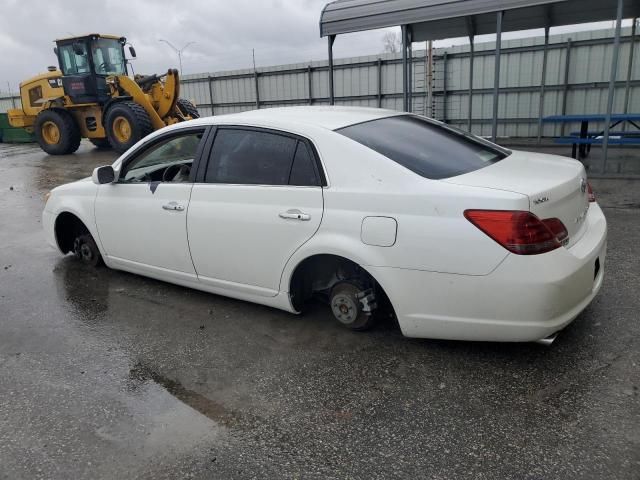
<point>526,298</point>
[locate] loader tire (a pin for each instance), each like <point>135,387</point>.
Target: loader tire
<point>187,108</point>
<point>100,143</point>
<point>126,123</point>
<point>57,132</point>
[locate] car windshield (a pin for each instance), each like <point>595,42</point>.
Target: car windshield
<point>107,57</point>
<point>425,147</point>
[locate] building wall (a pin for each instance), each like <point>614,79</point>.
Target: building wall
<point>580,86</point>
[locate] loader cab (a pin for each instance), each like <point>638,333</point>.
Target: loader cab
<point>86,62</point>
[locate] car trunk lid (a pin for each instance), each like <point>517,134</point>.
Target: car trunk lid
<point>556,186</point>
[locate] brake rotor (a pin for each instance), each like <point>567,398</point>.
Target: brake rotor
<point>345,308</point>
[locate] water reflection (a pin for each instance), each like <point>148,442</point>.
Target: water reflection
<point>225,358</point>
<point>143,374</point>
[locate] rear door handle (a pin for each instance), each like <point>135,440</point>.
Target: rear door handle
<point>295,214</point>
<point>173,206</point>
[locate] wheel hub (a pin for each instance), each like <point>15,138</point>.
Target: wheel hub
<point>345,308</point>
<point>85,252</point>
<point>122,129</point>
<point>82,250</point>
<point>50,132</point>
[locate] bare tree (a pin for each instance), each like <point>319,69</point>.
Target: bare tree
<point>391,42</point>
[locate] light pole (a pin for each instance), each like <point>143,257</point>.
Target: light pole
<point>177,50</point>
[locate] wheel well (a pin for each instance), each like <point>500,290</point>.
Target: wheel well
<point>319,273</point>
<point>67,228</point>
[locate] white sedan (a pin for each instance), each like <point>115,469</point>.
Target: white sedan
<point>364,208</point>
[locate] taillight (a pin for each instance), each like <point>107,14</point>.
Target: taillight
<point>519,232</point>
<point>592,196</point>
<point>557,228</point>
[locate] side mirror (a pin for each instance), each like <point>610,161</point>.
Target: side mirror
<point>102,175</point>
<point>78,49</point>
<point>132,51</point>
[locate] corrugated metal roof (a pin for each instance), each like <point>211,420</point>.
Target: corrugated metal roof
<point>437,19</point>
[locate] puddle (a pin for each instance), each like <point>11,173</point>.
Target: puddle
<point>141,374</point>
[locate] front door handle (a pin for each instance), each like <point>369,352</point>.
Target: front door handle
<point>173,206</point>
<point>295,214</point>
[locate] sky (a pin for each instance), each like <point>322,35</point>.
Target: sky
<point>224,32</point>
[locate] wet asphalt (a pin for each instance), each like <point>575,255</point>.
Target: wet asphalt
<point>105,374</point>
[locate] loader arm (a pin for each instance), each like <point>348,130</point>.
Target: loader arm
<point>130,87</point>
<point>165,96</point>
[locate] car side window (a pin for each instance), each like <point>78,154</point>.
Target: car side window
<point>169,160</point>
<point>250,157</point>
<point>303,172</point>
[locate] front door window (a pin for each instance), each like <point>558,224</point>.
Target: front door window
<point>167,161</point>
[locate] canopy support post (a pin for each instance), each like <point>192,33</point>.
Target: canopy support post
<point>211,93</point>
<point>496,81</point>
<point>471,31</point>
<point>444,87</point>
<point>543,80</point>
<point>565,88</point>
<point>612,80</point>
<point>410,70</point>
<point>627,87</point>
<point>379,82</point>
<point>405,96</point>
<point>430,108</point>
<point>330,40</point>
<point>470,108</point>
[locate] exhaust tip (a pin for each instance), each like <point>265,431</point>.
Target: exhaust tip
<point>547,341</point>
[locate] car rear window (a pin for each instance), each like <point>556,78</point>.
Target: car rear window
<point>426,148</point>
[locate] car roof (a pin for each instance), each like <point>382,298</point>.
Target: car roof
<point>329,117</point>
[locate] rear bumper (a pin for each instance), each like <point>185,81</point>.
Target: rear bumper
<point>526,298</point>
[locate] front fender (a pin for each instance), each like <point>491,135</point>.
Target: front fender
<point>78,199</point>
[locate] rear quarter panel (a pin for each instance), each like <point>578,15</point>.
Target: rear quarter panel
<point>432,233</point>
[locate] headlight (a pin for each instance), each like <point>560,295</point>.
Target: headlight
<point>46,197</point>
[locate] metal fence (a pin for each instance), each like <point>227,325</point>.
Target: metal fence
<point>576,82</point>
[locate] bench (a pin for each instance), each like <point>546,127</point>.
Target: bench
<point>582,140</point>
<point>611,134</point>
<point>597,141</point>
<point>586,143</point>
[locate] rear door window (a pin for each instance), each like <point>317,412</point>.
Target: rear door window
<point>303,171</point>
<point>254,157</point>
<point>426,148</point>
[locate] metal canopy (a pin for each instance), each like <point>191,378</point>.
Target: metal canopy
<point>423,20</point>
<point>440,19</point>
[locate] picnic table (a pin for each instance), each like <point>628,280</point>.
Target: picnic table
<point>581,141</point>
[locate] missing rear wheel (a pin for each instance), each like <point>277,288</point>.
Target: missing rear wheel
<point>352,306</point>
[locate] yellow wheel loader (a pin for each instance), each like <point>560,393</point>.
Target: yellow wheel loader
<point>92,96</point>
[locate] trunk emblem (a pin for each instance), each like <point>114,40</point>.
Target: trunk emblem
<point>540,200</point>
<point>583,185</point>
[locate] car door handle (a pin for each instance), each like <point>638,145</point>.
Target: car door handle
<point>295,214</point>
<point>173,206</point>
